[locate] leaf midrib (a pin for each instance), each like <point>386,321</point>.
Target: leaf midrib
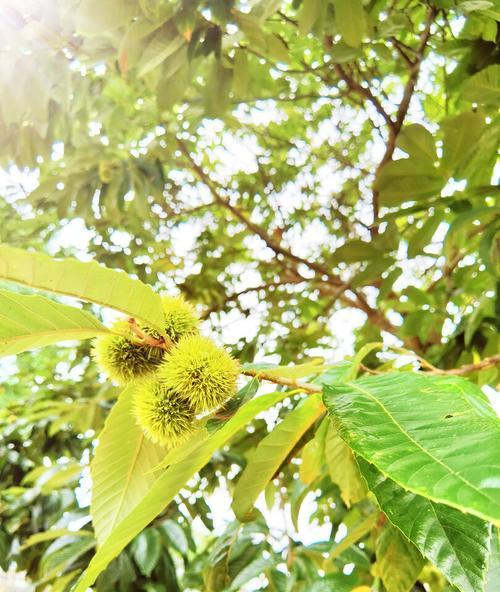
<point>418,445</point>
<point>125,485</point>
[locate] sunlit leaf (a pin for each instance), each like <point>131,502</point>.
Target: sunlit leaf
<point>435,436</point>
<point>85,280</point>
<point>29,322</point>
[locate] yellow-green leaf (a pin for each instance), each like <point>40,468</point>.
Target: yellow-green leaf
<point>271,452</point>
<point>343,469</point>
<point>351,21</point>
<point>29,322</point>
<point>123,467</point>
<point>398,560</point>
<point>84,280</point>
<point>168,485</point>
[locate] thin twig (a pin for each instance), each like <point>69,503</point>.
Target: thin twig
<point>306,387</point>
<point>489,362</point>
<point>364,92</point>
<point>295,384</point>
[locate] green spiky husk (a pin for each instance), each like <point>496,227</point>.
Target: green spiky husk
<point>202,373</point>
<point>122,359</point>
<point>180,317</point>
<point>164,417</point>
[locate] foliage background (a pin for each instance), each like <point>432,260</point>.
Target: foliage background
<point>314,176</point>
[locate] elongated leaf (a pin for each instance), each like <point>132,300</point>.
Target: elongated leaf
<point>398,560</point>
<point>94,17</point>
<point>355,250</point>
<point>146,549</point>
<point>455,543</point>
<point>271,452</point>
<point>50,535</point>
<point>122,469</point>
<point>168,485</point>
<point>423,235</point>
<point>28,322</point>
<point>163,44</point>
<point>62,553</point>
<point>215,576</point>
<point>461,134</point>
<point>343,469</point>
<point>175,535</point>
<point>85,280</point>
<point>436,436</point>
<point>311,10</point>
<point>350,18</point>
<point>313,454</point>
<point>250,571</point>
<point>355,532</point>
<point>294,371</point>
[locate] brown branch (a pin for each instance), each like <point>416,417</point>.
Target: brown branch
<point>399,48</point>
<point>404,105</point>
<point>334,283</point>
<point>255,228</point>
<point>167,344</point>
<point>235,296</point>
<point>353,85</point>
<point>489,362</point>
<point>314,388</point>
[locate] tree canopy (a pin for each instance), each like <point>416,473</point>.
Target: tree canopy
<point>317,178</point>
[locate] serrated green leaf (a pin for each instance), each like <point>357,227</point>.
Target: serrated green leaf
<point>457,544</point>
<point>62,553</point>
<point>493,574</point>
<point>313,454</point>
<point>50,535</point>
<point>250,571</point>
<point>435,436</point>
<point>355,250</point>
<point>217,88</point>
<point>241,74</point>
<point>342,53</point>
<point>84,280</point>
<point>215,575</point>
<point>270,453</point>
<point>296,371</point>
<point>398,560</point>
<point>164,43</point>
<point>357,529</point>
<point>122,469</point>
<point>94,17</point>
<point>29,322</point>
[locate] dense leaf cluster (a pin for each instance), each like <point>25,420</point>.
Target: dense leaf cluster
<point>285,165</point>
